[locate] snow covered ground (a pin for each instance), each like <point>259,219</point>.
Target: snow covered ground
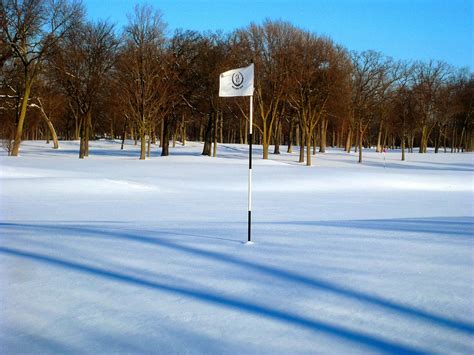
<point>112,254</point>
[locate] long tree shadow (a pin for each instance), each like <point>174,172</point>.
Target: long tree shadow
<point>400,165</point>
<point>457,228</point>
<point>265,269</point>
<point>232,303</point>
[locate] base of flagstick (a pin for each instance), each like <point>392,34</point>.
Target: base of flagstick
<point>248,243</point>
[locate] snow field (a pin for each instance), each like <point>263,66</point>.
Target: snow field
<point>113,254</point>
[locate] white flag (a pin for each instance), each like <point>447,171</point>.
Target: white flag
<point>237,82</point>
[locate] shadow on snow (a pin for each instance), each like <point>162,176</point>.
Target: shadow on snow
<point>224,301</point>
<point>339,290</point>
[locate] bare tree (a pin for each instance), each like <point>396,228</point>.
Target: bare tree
<point>141,74</point>
<point>81,66</point>
<point>371,81</point>
<point>267,45</point>
<point>31,28</point>
<point>429,79</point>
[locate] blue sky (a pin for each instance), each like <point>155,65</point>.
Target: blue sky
<point>403,29</point>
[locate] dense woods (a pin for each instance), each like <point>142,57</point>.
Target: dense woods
<point>65,78</point>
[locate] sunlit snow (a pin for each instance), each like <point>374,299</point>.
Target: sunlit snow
<point>112,254</point>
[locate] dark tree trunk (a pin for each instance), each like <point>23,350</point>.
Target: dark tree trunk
<point>207,135</point>
<point>142,143</point>
<point>88,124</point>
<point>82,145</point>
<point>277,137</point>
<point>165,144</point>
<point>438,140</point>
<point>323,136</point>
<point>302,144</point>
<point>290,138</point>
<point>216,127</point>
<point>349,140</point>
<point>124,134</point>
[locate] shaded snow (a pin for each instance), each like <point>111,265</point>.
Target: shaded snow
<point>113,254</point>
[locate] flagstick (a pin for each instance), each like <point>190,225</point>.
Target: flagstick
<point>250,172</point>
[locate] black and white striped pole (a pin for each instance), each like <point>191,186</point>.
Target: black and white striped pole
<point>239,82</point>
<point>250,174</point>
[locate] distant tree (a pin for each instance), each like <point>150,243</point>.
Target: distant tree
<point>401,114</point>
<point>337,75</point>
<point>462,112</point>
<point>188,90</point>
<point>311,90</point>
<point>266,45</point>
<point>141,75</point>
<point>429,80</point>
<point>320,77</point>
<point>210,62</point>
<point>85,58</point>
<point>371,79</point>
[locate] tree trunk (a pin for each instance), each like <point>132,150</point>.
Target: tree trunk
<point>453,139</point>
<point>266,139</point>
<point>216,121</point>
<point>438,140</point>
<point>445,133</point>
<point>88,124</point>
<point>348,140</point>
<point>201,131</point>
<point>165,144</point>
<point>207,136</point>
<point>315,140</point>
<point>461,139</point>
<point>423,139</point>
<point>356,145</point>
<point>183,132</point>
<point>112,133</point>
<point>403,138</point>
<point>153,134</point>
<point>323,136</point>
<point>361,137</point>
<point>297,135</point>
<point>77,126</point>
<point>378,149</point>
<point>53,133</point>
<point>277,137</point>
<point>124,134</point>
<point>50,126</point>
<point>21,119</point>
<point>290,138</point>
<point>142,143</point>
<point>148,148</point>
<point>470,141</point>
<point>308,147</point>
<point>82,144</point>
<point>301,139</point>
<point>162,129</point>
<point>403,146</point>
<point>221,127</point>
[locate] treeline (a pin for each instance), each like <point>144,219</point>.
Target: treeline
<point>65,77</point>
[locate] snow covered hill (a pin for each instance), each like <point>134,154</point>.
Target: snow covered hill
<point>112,254</point>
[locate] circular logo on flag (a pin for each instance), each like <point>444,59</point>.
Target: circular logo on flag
<point>237,80</point>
